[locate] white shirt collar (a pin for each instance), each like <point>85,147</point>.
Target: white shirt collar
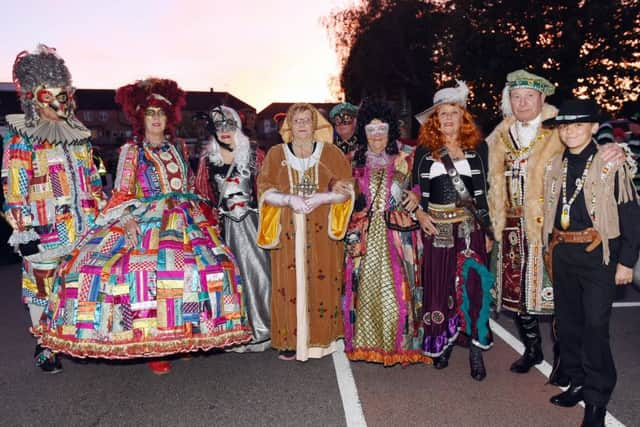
<point>525,132</point>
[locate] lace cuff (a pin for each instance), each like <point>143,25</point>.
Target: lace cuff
<point>22,237</point>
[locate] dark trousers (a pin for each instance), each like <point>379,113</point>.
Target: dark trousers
<point>584,289</point>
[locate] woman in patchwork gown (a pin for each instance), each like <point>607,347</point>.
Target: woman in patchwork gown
<point>153,278</point>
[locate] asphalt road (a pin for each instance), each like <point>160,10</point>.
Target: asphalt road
<point>229,389</point>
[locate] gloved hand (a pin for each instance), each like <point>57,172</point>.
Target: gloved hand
<point>318,199</point>
<point>297,203</point>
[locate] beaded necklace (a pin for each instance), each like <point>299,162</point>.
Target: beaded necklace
<point>566,205</point>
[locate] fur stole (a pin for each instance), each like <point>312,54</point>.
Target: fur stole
<point>546,145</point>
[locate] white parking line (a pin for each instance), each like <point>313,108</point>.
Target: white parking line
<point>626,304</point>
<point>348,392</point>
<point>544,367</point>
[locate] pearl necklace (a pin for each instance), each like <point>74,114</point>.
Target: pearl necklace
<point>566,205</point>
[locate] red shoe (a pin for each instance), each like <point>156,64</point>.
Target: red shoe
<point>160,367</point>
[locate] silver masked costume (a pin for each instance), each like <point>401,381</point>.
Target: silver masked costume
<point>237,207</point>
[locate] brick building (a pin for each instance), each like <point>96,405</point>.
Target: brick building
<point>96,108</point>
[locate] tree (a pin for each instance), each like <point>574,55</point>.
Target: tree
<point>384,49</point>
<point>588,49</point>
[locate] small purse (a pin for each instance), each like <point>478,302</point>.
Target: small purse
<point>356,236</point>
<point>400,221</point>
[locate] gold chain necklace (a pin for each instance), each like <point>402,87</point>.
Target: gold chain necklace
<point>306,184</point>
<point>566,205</point>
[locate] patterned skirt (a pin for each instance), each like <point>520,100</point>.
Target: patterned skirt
<point>178,290</point>
<point>379,299</point>
<point>454,301</point>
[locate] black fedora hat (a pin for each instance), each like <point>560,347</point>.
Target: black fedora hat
<point>578,111</point>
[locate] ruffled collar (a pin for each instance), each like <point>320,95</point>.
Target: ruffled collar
<point>70,131</point>
<point>377,160</point>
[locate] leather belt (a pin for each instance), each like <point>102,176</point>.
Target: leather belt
<point>588,235</point>
<point>448,213</point>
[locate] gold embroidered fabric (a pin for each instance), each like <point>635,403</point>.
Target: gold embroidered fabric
<point>377,318</point>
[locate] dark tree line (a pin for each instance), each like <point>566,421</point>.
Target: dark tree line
<point>407,49</point>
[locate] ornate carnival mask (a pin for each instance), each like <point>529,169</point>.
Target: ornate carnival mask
<point>223,123</point>
<point>58,99</point>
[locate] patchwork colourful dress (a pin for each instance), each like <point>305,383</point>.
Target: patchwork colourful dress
<point>52,195</point>
<point>177,290</point>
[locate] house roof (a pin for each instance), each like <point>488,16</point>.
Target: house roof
<point>281,107</point>
<point>104,99</point>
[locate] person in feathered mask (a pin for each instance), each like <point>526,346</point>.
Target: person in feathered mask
<point>234,164</point>
<point>51,186</point>
<point>154,278</point>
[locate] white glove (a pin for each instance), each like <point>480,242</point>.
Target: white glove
<point>318,199</point>
<point>297,203</point>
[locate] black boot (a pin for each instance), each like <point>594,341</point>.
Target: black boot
<point>47,360</point>
<point>530,333</point>
<point>558,377</point>
<point>569,398</point>
<point>442,361</point>
<point>593,416</point>
<point>478,371</point>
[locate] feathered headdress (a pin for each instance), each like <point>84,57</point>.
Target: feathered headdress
<point>449,95</point>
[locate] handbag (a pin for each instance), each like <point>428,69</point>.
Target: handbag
<point>356,236</point>
<point>400,221</point>
<point>358,228</point>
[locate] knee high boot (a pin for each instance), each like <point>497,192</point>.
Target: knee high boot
<point>529,329</point>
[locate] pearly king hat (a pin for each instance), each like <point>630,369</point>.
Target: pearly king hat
<point>450,95</point>
<point>524,79</point>
<point>343,109</point>
<point>577,111</point>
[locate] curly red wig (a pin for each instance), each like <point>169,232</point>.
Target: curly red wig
<point>152,92</point>
<point>431,137</point>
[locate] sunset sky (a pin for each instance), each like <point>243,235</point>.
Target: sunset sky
<point>260,51</point>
